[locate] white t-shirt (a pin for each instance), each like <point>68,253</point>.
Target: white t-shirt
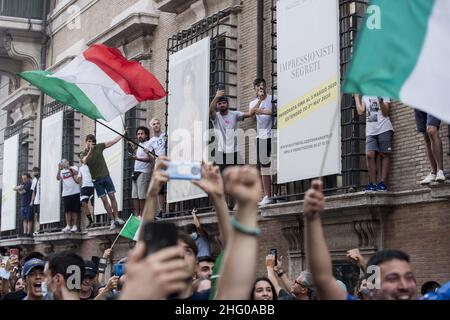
<point>226,126</point>
<point>36,187</point>
<point>140,166</point>
<point>263,121</point>
<point>158,144</point>
<point>85,175</point>
<point>376,123</point>
<point>70,187</point>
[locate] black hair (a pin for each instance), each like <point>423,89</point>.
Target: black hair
<point>13,289</point>
<point>205,259</point>
<point>27,175</point>
<point>274,293</point>
<point>429,287</point>
<point>258,81</point>
<point>146,131</point>
<point>91,137</point>
<point>186,238</point>
<point>223,98</point>
<point>61,261</point>
<point>189,228</point>
<point>387,255</point>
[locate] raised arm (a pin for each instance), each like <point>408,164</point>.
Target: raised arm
<point>240,257</point>
<point>271,274</point>
<point>316,248</point>
<point>58,173</point>
<point>198,225</point>
<point>113,142</point>
<point>384,105</point>
<point>159,177</point>
<point>212,184</point>
<point>360,107</point>
<point>88,156</point>
<point>213,104</point>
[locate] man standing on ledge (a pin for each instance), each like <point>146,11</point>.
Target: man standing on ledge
<point>103,183</point>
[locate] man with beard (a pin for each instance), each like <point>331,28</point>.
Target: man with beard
<point>392,267</point>
<point>142,168</point>
<point>64,273</point>
<point>88,285</point>
<point>33,272</point>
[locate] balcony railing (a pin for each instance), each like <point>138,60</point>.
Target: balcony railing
<point>30,9</point>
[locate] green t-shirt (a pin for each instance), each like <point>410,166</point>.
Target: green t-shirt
<point>97,164</point>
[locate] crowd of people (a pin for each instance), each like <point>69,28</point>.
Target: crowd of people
<point>189,270</point>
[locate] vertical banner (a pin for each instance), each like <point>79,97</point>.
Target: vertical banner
<point>114,159</point>
<point>188,113</point>
<point>308,88</point>
<point>10,168</point>
<point>52,137</point>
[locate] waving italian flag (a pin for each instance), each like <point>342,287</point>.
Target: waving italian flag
<point>100,83</point>
<point>407,56</point>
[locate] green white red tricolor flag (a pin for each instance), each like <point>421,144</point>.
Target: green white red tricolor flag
<point>408,57</point>
<point>100,83</point>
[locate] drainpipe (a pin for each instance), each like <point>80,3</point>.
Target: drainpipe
<point>44,41</point>
<point>260,39</point>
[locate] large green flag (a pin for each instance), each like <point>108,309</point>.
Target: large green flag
<point>403,53</point>
<point>131,228</point>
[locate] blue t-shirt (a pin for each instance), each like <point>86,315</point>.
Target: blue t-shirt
<point>26,197</point>
<point>443,293</point>
<point>203,246</point>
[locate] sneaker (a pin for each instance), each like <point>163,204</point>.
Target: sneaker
<point>265,201</point>
<point>159,216</point>
<point>74,229</point>
<point>66,229</point>
<point>440,177</point>
<point>36,233</point>
<point>428,179</point>
<point>113,225</point>
<point>119,222</point>
<point>381,187</point>
<point>371,187</point>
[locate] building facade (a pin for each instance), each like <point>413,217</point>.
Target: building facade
<point>49,34</point>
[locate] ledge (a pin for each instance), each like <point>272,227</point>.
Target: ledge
<point>60,237</point>
<point>173,6</point>
<point>127,29</point>
<point>440,190</point>
<point>19,96</point>
<point>17,242</point>
<point>20,24</point>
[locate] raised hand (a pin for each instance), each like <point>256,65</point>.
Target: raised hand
<point>159,176</point>
<point>314,201</point>
<point>211,181</point>
<point>243,183</point>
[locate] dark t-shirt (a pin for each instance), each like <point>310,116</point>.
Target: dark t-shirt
<point>26,197</point>
<point>284,295</point>
<point>97,164</point>
<point>18,295</point>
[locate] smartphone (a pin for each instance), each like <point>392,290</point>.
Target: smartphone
<point>274,253</point>
<point>14,252</point>
<point>184,170</point>
<point>159,235</point>
<point>119,269</point>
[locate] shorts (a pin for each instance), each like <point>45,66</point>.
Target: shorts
<point>139,186</point>
<point>380,143</point>
<point>72,203</point>
<point>36,210</point>
<point>224,160</point>
<point>87,193</point>
<point>104,186</point>
<point>424,119</point>
<point>263,151</point>
<point>26,213</point>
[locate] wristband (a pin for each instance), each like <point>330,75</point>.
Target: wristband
<point>245,230</point>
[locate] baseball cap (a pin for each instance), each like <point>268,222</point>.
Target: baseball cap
<point>32,264</point>
<point>90,269</point>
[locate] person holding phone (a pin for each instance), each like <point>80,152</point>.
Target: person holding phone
<point>70,194</point>
<point>261,109</point>
<point>142,169</point>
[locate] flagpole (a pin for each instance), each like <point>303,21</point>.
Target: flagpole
<point>126,138</point>
<point>327,148</point>
<point>117,238</point>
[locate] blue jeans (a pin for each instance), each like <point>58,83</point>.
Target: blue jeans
<point>104,186</point>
